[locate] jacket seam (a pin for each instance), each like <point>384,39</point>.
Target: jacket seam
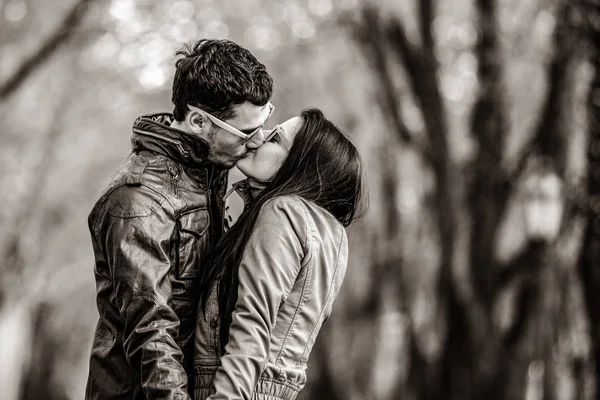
<point>303,293</point>
<point>144,295</point>
<point>335,273</point>
<point>112,190</point>
<point>278,382</point>
<point>165,198</point>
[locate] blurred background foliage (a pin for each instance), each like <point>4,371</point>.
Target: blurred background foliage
<point>476,273</point>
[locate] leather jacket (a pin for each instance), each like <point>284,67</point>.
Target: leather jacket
<point>290,274</point>
<point>151,231</point>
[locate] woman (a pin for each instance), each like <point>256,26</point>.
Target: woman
<point>275,274</point>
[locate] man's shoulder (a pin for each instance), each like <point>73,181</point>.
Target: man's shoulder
<point>138,188</point>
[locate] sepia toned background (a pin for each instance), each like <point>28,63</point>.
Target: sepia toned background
<point>476,272</point>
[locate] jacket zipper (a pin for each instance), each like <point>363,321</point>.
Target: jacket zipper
<point>209,184</point>
<point>223,211</point>
<point>174,177</point>
<point>177,143</point>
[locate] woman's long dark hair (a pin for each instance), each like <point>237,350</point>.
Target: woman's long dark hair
<point>323,167</point>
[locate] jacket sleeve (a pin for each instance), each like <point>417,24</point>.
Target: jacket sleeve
<point>269,267</point>
<point>137,251</point>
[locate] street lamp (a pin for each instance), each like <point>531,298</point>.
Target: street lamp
<point>543,205</point>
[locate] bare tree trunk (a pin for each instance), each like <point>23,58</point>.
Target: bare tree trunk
<point>478,360</point>
<point>589,264</point>
<point>20,268</point>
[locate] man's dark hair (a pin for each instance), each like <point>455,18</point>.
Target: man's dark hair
<point>217,76</point>
<point>322,166</point>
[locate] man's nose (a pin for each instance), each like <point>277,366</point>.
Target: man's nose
<point>256,141</point>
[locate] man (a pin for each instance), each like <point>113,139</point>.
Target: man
<point>162,213</point>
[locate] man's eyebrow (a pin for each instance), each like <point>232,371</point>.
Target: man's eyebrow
<point>249,131</point>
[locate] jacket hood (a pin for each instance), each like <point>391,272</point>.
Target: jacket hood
<point>154,132</point>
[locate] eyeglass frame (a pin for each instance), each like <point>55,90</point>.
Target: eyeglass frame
<point>232,129</point>
<point>277,129</point>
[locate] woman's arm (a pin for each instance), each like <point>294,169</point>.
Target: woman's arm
<point>270,264</point>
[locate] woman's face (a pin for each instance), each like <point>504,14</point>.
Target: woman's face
<point>263,163</point>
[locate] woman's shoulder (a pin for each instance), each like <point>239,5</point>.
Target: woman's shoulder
<point>300,211</point>
<point>282,217</point>
<point>284,206</point>
<point>293,204</point>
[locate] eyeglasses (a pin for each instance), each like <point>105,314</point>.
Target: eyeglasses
<point>279,133</point>
<point>231,129</point>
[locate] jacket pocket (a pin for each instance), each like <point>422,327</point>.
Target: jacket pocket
<point>193,243</point>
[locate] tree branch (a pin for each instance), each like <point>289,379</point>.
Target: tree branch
<point>426,20</point>
<point>58,38</point>
<point>549,137</point>
<point>421,66</point>
<point>369,36</point>
<point>589,259</point>
<point>488,191</point>
<point>368,32</point>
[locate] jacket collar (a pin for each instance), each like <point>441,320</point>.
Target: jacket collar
<point>248,192</point>
<point>154,132</point>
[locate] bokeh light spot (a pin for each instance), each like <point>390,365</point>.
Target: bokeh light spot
<point>215,29</point>
<point>294,13</point>
<point>467,64</point>
<point>452,88</point>
<point>105,47</point>
<point>461,37</point>
<point>262,37</point>
<point>15,11</point>
<point>181,10</point>
<point>153,52</point>
<point>536,369</point>
<point>129,56</point>
<point>128,31</point>
<point>407,199</point>
<point>304,29</point>
<point>545,22</point>
<point>144,20</point>
<point>152,77</point>
<point>185,31</point>
<point>412,117</point>
<point>471,35</point>
<point>321,8</point>
<point>123,10</point>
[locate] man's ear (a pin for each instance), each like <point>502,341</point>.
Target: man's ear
<point>198,122</point>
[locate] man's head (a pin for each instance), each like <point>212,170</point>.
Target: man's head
<point>221,81</point>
